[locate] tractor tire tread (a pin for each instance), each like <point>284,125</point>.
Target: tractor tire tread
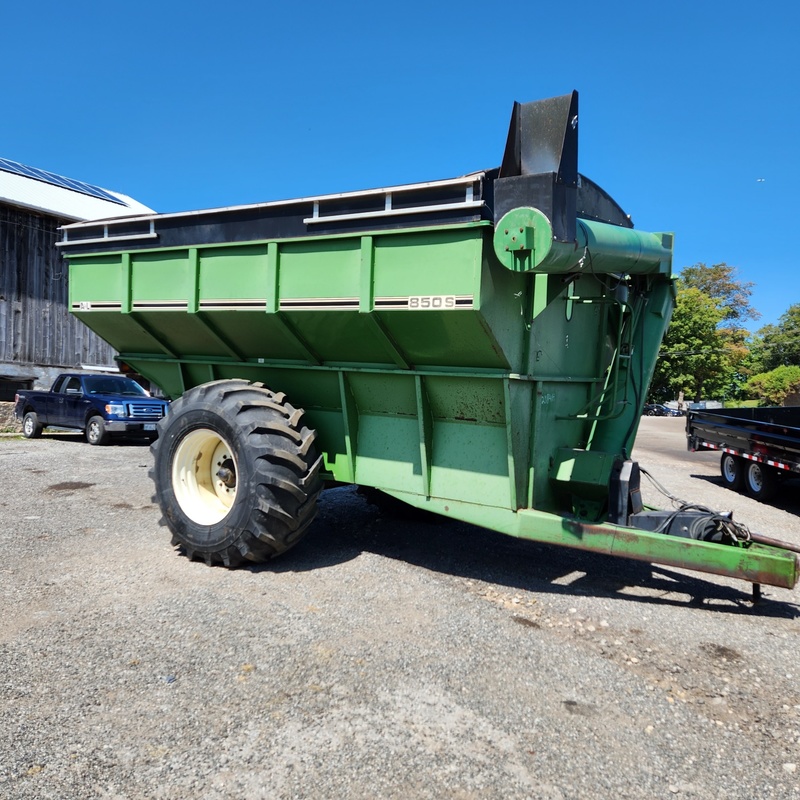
<point>282,464</point>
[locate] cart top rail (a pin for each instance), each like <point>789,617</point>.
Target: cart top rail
<point>539,169</point>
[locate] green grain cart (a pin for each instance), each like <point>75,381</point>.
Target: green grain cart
<point>478,347</point>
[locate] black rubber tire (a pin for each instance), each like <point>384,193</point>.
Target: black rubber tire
<point>732,469</point>
<point>272,457</point>
<point>760,481</point>
<point>31,427</point>
<point>96,433</point>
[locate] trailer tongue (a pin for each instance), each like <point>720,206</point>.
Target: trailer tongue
<point>479,347</point>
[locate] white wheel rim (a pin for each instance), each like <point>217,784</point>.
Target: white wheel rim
<point>730,469</point>
<point>201,493</point>
<point>755,477</point>
<point>28,425</point>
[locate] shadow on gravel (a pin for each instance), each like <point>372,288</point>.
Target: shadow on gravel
<point>348,526</point>
<point>787,499</point>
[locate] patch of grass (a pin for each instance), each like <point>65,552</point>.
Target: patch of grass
<point>741,404</point>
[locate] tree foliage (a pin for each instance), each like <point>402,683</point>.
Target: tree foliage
<point>778,345</point>
<point>772,387</point>
<point>707,352</point>
<point>693,359</point>
<point>721,284</point>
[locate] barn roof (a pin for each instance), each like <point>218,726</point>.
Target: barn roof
<point>66,198</point>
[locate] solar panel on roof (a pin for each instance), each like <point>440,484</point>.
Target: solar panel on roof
<point>58,180</point>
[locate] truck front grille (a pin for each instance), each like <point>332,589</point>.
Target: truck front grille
<point>141,411</point>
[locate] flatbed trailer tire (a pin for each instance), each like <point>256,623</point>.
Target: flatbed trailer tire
<point>236,473</point>
<point>732,469</point>
<point>760,481</point>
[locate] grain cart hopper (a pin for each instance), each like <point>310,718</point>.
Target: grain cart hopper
<point>478,347</point>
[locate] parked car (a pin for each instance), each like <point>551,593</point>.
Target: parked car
<point>660,410</point>
<point>100,405</point>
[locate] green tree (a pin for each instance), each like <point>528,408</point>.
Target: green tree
<point>778,345</point>
<point>731,295</point>
<point>772,387</point>
<point>694,358</point>
<point>735,343</point>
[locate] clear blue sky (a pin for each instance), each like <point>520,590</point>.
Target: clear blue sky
<point>689,110</point>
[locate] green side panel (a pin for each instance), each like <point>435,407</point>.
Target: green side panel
<point>586,472</point>
<point>162,287</point>
<point>339,336</point>
<point>440,262</point>
<point>97,282</point>
<point>254,334</point>
<point>161,277</point>
<point>456,338</point>
<point>470,463</point>
<point>555,425</point>
<point>100,279</point>
<point>503,306</point>
<point>463,399</point>
<point>182,333</point>
<point>436,264</point>
<point>240,276</point>
<point>388,452</point>
<point>124,331</point>
<point>311,269</point>
<point>567,341</point>
<point>470,446</point>
<point>305,388</point>
<point>233,273</point>
<point>384,394</point>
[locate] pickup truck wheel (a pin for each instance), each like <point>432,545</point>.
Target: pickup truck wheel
<point>236,473</point>
<point>96,432</point>
<point>732,470</point>
<point>31,428</point>
<point>761,482</point>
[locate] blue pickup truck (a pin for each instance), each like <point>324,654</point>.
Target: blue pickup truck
<point>99,405</point>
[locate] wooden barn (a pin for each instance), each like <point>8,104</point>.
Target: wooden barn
<point>38,337</point>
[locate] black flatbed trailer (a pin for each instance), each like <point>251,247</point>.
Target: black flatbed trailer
<point>760,447</point>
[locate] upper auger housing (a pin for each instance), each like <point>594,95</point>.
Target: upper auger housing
<point>550,218</point>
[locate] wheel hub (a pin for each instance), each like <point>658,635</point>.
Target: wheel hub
<point>227,473</point>
<point>204,476</point>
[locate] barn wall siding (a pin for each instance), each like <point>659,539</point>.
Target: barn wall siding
<point>36,330</point>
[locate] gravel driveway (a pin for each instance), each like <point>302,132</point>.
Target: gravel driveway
<point>381,658</point>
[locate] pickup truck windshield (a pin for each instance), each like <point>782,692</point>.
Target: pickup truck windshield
<point>112,385</point>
